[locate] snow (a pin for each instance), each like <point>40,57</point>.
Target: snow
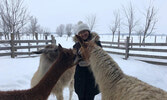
<point>17,73</point>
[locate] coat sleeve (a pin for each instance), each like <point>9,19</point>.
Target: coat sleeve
<point>76,46</point>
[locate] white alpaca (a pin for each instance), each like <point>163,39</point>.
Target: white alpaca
<point>66,80</point>
<point>113,83</point>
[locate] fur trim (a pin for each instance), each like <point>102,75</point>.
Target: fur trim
<point>93,35</point>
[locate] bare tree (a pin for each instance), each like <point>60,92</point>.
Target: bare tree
<point>14,15</point>
<point>69,28</point>
<point>91,21</point>
<point>4,30</point>
<point>44,31</point>
<point>60,30</point>
<point>130,17</point>
<point>150,21</point>
<point>119,29</point>
<point>139,33</point>
<point>33,26</point>
<point>115,25</point>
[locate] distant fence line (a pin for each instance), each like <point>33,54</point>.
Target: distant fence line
<point>140,38</point>
<point>13,46</point>
<point>129,46</point>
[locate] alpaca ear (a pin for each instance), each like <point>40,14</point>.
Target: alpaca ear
<point>80,40</point>
<point>39,52</point>
<point>94,39</point>
<point>60,48</point>
<point>43,51</point>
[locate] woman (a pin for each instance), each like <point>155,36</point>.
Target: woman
<point>85,86</point>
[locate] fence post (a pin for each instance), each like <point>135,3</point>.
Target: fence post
<point>155,39</point>
<point>53,39</point>
<point>140,40</point>
<point>46,38</point>
<point>29,48</point>
<point>12,46</point>
<point>36,36</point>
<point>118,38</point>
<point>132,42</point>
<point>127,48</point>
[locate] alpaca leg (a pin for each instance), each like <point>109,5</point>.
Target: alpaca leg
<point>71,89</point>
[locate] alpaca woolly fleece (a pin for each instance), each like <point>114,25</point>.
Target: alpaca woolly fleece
<point>113,83</point>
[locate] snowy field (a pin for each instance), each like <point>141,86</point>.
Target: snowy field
<point>17,73</point>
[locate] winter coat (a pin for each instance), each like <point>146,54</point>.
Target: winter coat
<point>84,79</point>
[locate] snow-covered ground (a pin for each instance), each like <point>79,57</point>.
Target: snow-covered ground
<point>17,73</point>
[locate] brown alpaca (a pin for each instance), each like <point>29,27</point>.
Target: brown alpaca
<point>47,58</point>
<point>42,90</point>
<point>113,83</point>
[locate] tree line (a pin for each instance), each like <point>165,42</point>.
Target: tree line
<point>15,19</point>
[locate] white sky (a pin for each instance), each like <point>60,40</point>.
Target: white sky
<point>52,13</point>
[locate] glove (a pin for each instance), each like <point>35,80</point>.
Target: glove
<point>81,63</point>
<point>84,64</point>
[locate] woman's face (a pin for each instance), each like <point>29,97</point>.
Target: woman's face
<point>84,34</point>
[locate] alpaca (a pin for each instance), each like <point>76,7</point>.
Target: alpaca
<point>66,60</point>
<point>47,58</point>
<point>113,83</point>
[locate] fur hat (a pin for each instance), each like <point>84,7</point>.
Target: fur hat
<point>81,26</point>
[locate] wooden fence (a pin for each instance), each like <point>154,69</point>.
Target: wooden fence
<point>127,46</point>
<point>13,48</point>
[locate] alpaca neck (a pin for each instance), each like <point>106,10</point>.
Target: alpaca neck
<point>42,90</point>
<point>105,69</point>
<point>50,79</point>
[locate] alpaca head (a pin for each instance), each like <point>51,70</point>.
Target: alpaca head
<point>50,52</point>
<point>67,55</point>
<point>86,47</point>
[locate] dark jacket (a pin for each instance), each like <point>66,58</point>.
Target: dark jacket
<point>84,80</point>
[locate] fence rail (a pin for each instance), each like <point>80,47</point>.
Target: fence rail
<point>148,49</point>
<point>13,48</point>
<point>126,47</point>
<point>148,44</point>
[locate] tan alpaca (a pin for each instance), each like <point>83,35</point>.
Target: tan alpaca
<point>113,83</point>
<point>65,60</point>
<point>46,60</point>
